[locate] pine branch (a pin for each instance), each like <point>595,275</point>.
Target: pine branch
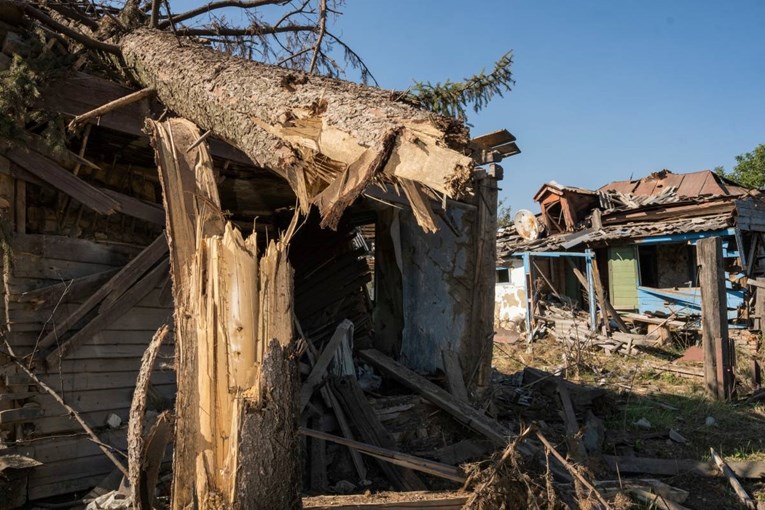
<point>451,99</point>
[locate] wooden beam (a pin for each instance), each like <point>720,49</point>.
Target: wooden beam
<point>112,105</point>
<point>672,467</point>
<point>400,459</point>
<point>108,315</point>
<point>124,279</point>
<point>365,420</point>
<point>133,207</point>
<point>462,412</point>
<point>63,180</point>
<point>718,349</point>
<point>344,329</point>
<point>453,372</point>
<point>743,496</point>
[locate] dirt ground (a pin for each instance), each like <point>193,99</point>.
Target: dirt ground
<point>642,403</point>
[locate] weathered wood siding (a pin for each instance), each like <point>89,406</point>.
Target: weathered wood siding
<point>97,378</point>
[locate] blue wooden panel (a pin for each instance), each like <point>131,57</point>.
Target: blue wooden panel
<point>686,301</point>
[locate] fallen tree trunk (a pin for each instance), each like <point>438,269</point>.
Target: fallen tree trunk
<point>329,138</point>
<point>236,442</point>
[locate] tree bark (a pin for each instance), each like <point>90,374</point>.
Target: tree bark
<point>236,443</point>
<point>327,137</point>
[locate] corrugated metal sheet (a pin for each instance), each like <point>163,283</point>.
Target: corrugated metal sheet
<point>690,185</point>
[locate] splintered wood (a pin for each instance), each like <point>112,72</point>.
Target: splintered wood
<point>234,341</point>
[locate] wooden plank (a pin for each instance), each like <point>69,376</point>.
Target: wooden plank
<point>68,248</point>
<point>108,336</point>
<point>65,383</point>
<point>131,206</point>
<point>107,351</point>
<point>388,501</point>
<point>575,447</point>
<point>759,304</point>
<point>743,496</point>
<point>365,420</point>
<point>718,351</point>
<point>63,180</point>
<point>55,449</point>
<point>400,459</point>
<point>40,491</point>
<point>127,276</point>
<point>55,269</point>
<point>73,290</point>
<point>319,369</point>
<point>461,411</point>
<point>112,313</point>
<point>673,467</point>
<point>20,204</point>
<point>20,415</point>
<point>453,372</point>
<point>318,466</point>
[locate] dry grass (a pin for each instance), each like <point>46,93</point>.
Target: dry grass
<point>666,400</point>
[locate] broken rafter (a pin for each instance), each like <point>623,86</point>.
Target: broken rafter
<point>52,173</point>
<point>112,105</point>
<point>344,330</point>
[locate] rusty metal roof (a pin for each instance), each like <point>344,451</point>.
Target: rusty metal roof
<point>689,185</point>
<point>509,242</point>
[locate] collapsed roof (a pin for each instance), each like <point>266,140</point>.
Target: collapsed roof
<point>662,203</point>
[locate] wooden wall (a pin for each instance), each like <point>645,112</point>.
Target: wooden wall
<point>97,378</point>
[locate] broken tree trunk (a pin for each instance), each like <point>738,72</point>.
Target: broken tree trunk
<point>236,443</point>
<point>327,137</point>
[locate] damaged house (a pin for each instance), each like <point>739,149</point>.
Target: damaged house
<point>631,244</point>
<point>156,278</point>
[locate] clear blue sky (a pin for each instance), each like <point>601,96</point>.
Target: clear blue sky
<point>604,89</point>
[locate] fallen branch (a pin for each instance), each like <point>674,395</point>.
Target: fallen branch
<point>400,459</point>
<point>112,105</point>
<point>571,469</point>
<point>731,476</point>
<point>72,412</point>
